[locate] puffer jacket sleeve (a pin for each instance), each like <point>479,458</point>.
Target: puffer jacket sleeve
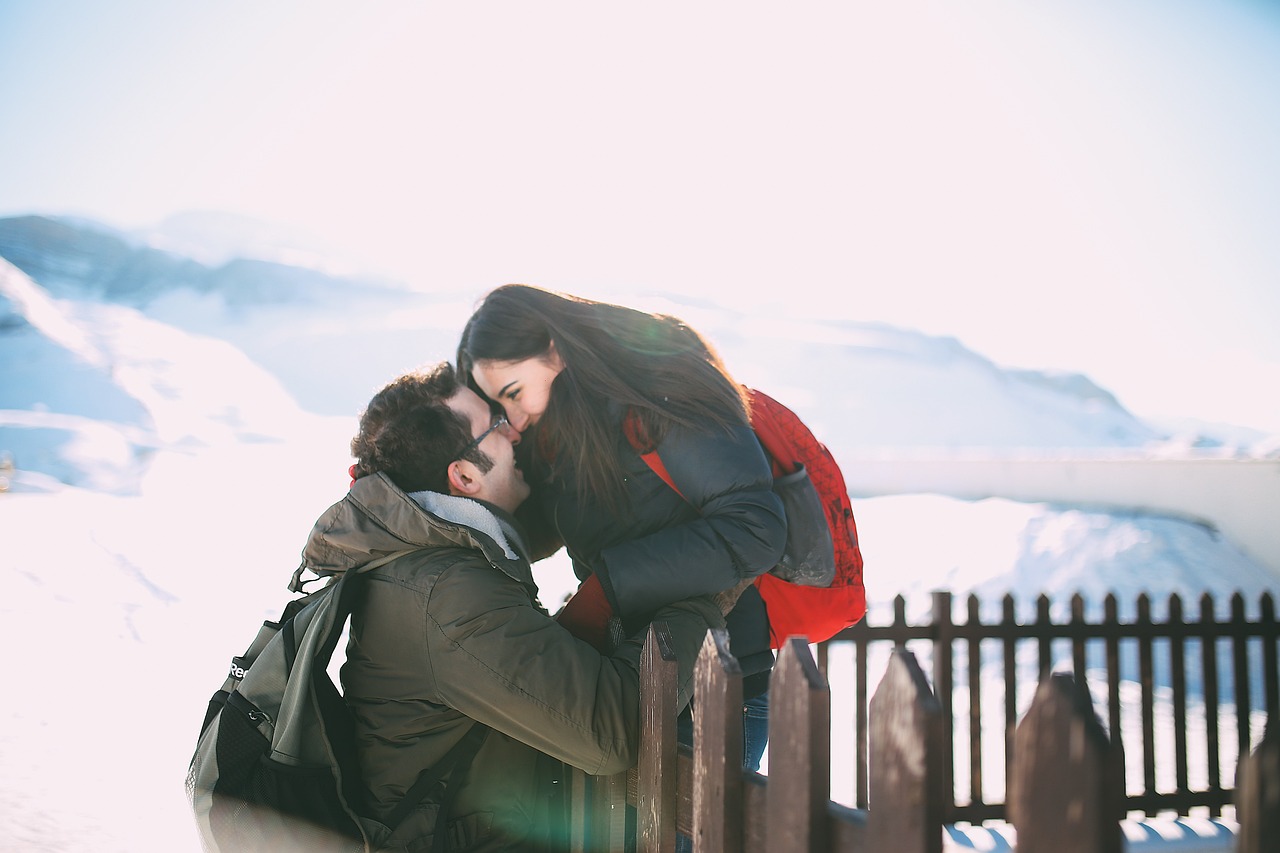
<point>497,659</point>
<point>739,532</point>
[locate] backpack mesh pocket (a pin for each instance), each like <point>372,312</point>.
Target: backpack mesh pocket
<point>261,804</point>
<point>809,557</point>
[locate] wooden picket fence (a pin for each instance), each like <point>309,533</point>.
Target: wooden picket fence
<point>1066,779</point>
<point>1235,657</point>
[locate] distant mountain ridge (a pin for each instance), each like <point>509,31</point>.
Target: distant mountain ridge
<point>89,389</point>
<point>868,385</point>
<point>77,259</point>
<point>327,342</point>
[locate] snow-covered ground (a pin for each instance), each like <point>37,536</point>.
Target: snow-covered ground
<point>166,480</point>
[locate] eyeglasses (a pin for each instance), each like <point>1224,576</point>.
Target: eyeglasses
<point>499,421</point>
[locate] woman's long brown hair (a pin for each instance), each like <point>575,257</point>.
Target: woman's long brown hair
<point>652,364</point>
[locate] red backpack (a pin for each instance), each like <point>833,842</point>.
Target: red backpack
<point>817,607</point>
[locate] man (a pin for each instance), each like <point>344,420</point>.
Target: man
<point>451,635</point>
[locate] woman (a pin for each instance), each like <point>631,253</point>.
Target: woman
<point>591,386</point>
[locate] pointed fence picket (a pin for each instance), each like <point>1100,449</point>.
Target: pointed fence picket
<point>1065,773</point>
<point>906,775</point>
<point>1258,797</point>
<point>1065,789</point>
<point>717,763</point>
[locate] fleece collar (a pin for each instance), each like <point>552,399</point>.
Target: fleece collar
<point>477,515</point>
<point>375,519</point>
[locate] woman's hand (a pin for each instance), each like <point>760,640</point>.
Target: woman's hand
<point>586,615</point>
<point>727,599</point>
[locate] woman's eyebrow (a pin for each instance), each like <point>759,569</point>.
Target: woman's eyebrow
<point>505,388</point>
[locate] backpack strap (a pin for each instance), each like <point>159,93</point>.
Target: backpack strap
<point>296,584</point>
<point>460,755</point>
<point>639,442</point>
<point>773,437</point>
<point>654,461</point>
<point>458,759</point>
<point>346,603</point>
<point>763,423</point>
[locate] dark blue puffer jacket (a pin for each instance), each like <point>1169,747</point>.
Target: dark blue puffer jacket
<point>665,548</point>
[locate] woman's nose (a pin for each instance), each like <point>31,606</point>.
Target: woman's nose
<point>511,432</point>
<point>517,421</point>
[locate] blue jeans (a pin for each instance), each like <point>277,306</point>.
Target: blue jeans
<point>755,730</point>
<point>755,737</point>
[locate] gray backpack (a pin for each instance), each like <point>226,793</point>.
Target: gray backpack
<point>274,768</point>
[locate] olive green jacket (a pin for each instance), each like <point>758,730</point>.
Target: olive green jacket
<point>452,633</point>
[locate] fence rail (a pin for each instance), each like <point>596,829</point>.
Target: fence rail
<point>1066,788</point>
<point>1197,659</point>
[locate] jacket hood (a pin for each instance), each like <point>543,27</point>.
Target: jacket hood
<point>376,519</point>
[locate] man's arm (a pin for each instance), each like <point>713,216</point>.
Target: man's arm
<point>497,659</point>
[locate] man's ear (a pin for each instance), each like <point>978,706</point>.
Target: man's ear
<point>464,479</point>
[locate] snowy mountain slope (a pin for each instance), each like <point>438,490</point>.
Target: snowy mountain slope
<point>61,411</point>
<point>331,355</point>
<point>863,386</point>
<point>303,325</point>
<point>92,389</point>
<point>860,384</point>
<point>995,547</point>
<point>72,258</point>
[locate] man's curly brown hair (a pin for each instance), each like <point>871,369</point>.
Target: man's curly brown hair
<point>408,432</point>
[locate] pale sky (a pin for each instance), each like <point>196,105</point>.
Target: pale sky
<point>1086,186</point>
